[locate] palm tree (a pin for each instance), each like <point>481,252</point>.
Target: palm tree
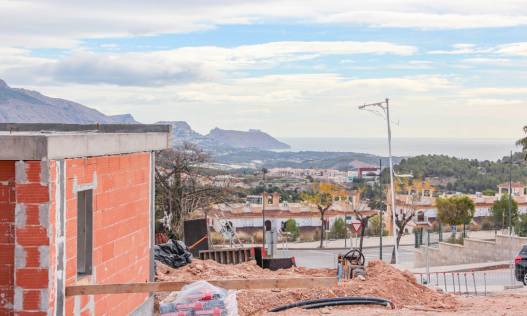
<point>523,142</point>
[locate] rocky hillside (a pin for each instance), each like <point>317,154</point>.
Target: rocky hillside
<point>26,106</point>
<point>250,139</point>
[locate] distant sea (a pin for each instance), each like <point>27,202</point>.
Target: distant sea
<point>481,149</point>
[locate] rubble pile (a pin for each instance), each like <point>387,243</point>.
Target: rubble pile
<point>382,280</point>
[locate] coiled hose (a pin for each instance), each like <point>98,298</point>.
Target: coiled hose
<point>336,301</point>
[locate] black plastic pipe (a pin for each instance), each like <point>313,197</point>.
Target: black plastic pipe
<point>339,300</point>
<point>346,302</point>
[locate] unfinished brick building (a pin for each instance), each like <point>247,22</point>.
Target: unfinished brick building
<point>76,207</point>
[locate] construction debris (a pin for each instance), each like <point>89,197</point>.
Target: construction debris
<point>173,253</point>
<point>381,280</point>
<point>200,298</point>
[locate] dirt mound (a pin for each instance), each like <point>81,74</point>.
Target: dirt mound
<point>209,270</point>
<point>382,280</point>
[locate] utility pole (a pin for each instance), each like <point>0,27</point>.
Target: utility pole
<point>510,219</point>
<point>510,196</point>
<point>385,106</point>
<point>264,202</point>
<point>381,213</point>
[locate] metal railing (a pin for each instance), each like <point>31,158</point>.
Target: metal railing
<point>470,282</point>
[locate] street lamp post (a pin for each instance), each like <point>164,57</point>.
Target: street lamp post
<point>264,202</point>
<point>381,213</point>
<point>385,106</point>
<point>510,196</point>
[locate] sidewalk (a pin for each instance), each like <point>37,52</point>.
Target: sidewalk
<point>371,242</point>
<point>465,267</point>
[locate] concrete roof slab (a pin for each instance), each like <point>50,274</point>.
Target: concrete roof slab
<point>30,145</point>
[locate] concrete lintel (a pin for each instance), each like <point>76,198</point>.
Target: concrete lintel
<point>86,186</point>
<point>74,145</point>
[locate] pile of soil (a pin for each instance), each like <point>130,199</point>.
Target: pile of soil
<point>211,270</point>
<point>382,281</point>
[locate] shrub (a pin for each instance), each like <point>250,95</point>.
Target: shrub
<point>338,230</point>
<point>292,228</point>
<point>521,226</point>
<point>454,240</point>
<point>487,224</point>
<point>500,211</point>
<point>489,192</point>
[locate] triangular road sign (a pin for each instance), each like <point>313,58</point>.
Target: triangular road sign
<point>356,225</point>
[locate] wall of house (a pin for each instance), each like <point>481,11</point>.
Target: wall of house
<point>504,248</point>
<point>7,236</point>
<point>31,238</point>
<point>121,232</point>
<point>301,221</point>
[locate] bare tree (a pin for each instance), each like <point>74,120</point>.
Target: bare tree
<point>182,186</point>
<point>403,216</point>
<point>323,196</point>
<point>364,219</point>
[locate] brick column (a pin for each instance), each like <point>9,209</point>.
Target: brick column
<point>7,236</point>
<point>31,238</point>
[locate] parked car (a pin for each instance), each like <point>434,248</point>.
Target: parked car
<point>520,265</point>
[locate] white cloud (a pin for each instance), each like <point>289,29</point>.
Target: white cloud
<point>459,49</point>
<point>509,49</point>
<point>182,64</point>
<point>315,105</point>
<point>61,23</point>
<point>515,49</point>
<point>507,91</point>
<point>489,61</point>
<point>425,20</point>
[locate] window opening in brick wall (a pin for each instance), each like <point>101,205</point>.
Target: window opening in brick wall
<point>84,232</point>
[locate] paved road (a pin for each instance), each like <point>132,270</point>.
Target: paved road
<point>323,258</point>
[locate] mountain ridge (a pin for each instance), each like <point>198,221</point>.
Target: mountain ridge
<point>253,138</point>
<point>18,105</point>
<point>27,106</point>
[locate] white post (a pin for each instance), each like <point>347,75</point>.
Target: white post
<point>394,208</point>
<point>392,187</point>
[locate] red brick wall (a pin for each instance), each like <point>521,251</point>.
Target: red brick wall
<point>120,228</point>
<point>7,236</point>
<point>31,238</point>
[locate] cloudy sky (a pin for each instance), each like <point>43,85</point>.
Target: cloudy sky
<point>292,68</point>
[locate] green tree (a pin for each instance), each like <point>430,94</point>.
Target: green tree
<point>374,226</point>
<point>523,142</point>
<point>455,210</point>
<point>292,228</point>
<point>464,175</point>
<point>489,192</point>
<point>500,211</point>
<point>338,229</point>
<point>521,226</point>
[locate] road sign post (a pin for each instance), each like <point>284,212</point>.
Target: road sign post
<point>356,226</point>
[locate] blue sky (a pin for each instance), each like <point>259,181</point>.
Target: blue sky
<point>292,68</point>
